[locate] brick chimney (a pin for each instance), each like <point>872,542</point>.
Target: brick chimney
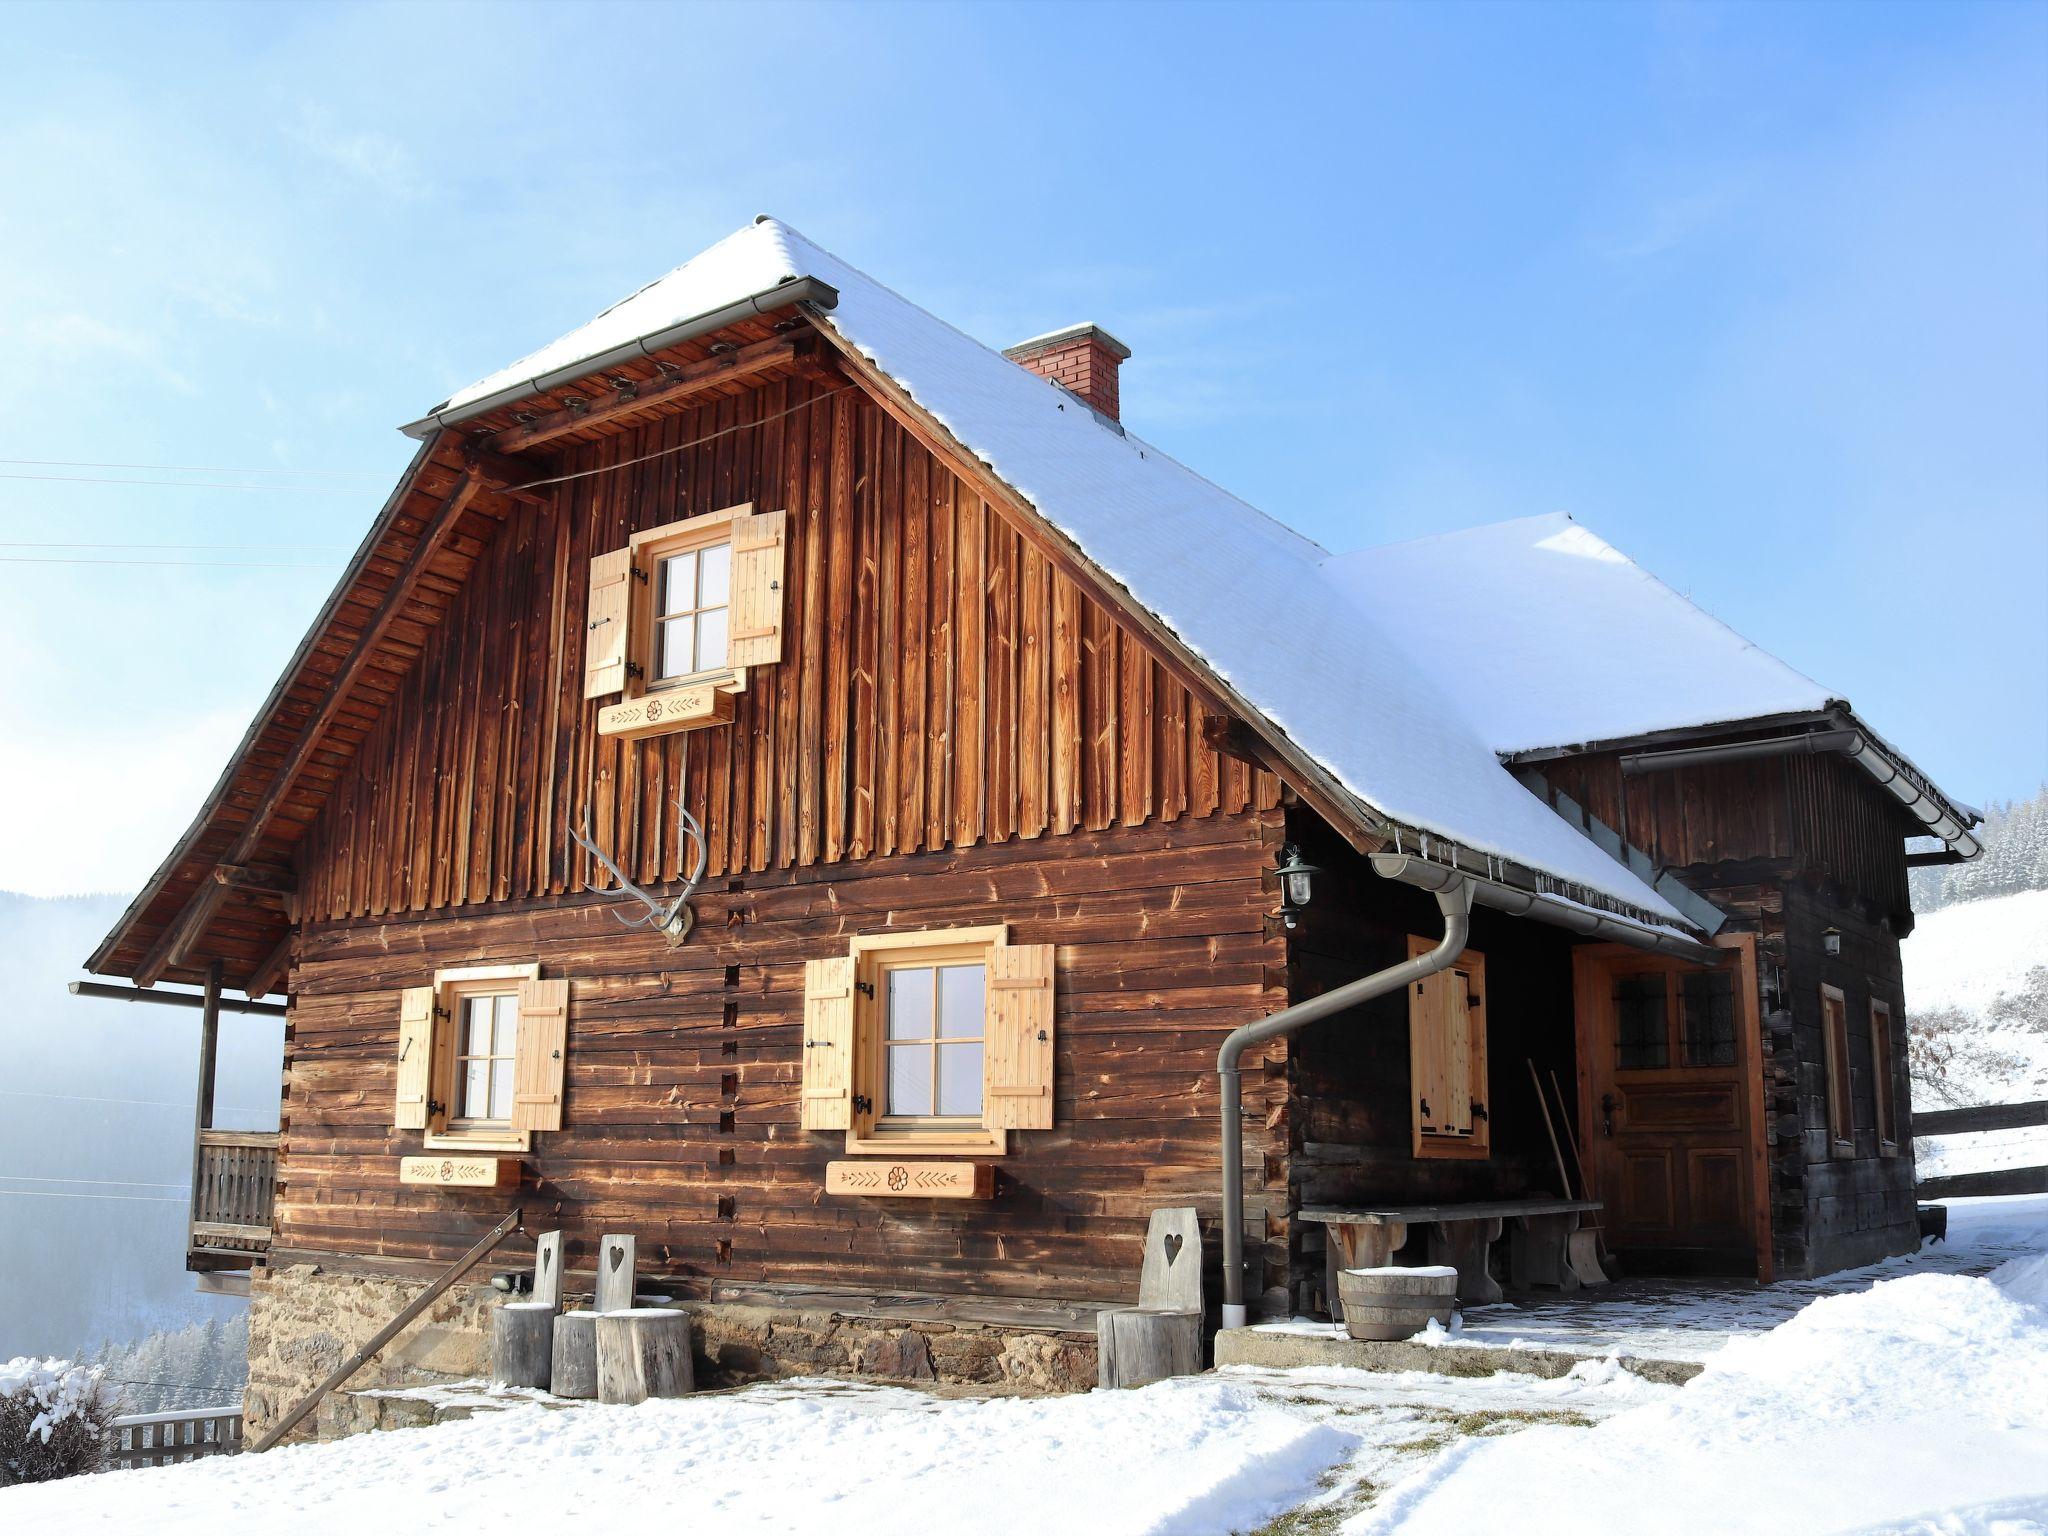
<point>1085,358</point>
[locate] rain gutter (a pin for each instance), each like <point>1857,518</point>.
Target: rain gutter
<point>794,290</point>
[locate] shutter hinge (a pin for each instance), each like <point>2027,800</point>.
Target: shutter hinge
<point>1426,1115</point>
<point>1043,1036</point>
<point>436,1107</point>
<point>634,669</point>
<point>864,988</point>
<point>638,574</point>
<point>442,1013</point>
<point>862,1103</point>
<point>1478,1110</point>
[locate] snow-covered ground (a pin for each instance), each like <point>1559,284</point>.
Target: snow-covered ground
<point>1919,1403</point>
<point>1969,970</point>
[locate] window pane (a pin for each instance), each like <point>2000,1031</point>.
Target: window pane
<point>476,1013</point>
<point>678,639</point>
<point>961,989</point>
<point>508,1026</point>
<point>1709,998</point>
<point>1639,1023</point>
<point>476,1091</point>
<point>910,1004</point>
<point>910,1080</point>
<point>679,583</point>
<point>501,1090</point>
<point>716,590</point>
<point>960,1079</point>
<point>710,639</point>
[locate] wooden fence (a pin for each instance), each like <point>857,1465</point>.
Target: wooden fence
<point>184,1434</point>
<point>1968,1122</point>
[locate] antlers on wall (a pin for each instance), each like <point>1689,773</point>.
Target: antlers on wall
<point>673,918</point>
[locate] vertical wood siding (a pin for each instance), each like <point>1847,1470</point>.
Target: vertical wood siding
<point>942,687</point>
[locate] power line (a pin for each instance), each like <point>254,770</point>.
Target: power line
<point>47,1178</point>
<point>86,544</point>
<point>80,1098</point>
<point>189,485</point>
<point>188,469</point>
<point>68,1194</point>
<point>196,565</point>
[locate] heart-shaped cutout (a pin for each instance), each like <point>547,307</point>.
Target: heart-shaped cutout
<point>547,1257</point>
<point>618,1258</point>
<point>1173,1246</point>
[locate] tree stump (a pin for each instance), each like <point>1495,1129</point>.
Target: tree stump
<point>1142,1344</point>
<point>575,1355</point>
<point>643,1353</point>
<point>523,1344</point>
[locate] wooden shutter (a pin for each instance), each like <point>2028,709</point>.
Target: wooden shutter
<point>415,1057</point>
<point>606,623</point>
<point>539,1058</point>
<point>757,586</point>
<point>828,1044</point>
<point>1447,1058</point>
<point>1017,1054</point>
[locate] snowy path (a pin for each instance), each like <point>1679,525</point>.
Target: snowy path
<point>1925,1394</point>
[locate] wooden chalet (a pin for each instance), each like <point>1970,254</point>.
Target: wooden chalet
<point>985,728</point>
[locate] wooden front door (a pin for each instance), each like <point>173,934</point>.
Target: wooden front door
<point>1669,1083</point>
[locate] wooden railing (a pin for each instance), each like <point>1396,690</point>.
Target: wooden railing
<point>185,1434</point>
<point>233,1186</point>
<point>1969,1122</point>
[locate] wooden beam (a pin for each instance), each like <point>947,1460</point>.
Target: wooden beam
<point>1309,779</point>
<point>1229,736</point>
<point>504,475</point>
<point>687,379</point>
<point>172,946</point>
<point>242,877</point>
<point>271,970</point>
<point>1979,1117</point>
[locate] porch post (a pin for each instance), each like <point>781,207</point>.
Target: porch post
<point>202,1113</point>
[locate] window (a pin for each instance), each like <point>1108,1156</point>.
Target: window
<point>692,601</point>
<point>939,1041</point>
<point>481,1057</point>
<point>1642,1028</point>
<point>1834,1031</point>
<point>677,617</point>
<point>1659,1025</point>
<point>1883,1088</point>
<point>486,1045</point>
<point>1447,1057</point>
<point>931,1041</point>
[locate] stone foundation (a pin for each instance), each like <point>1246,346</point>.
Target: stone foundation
<point>305,1320</point>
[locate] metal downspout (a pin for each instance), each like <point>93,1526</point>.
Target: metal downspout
<point>1455,900</point>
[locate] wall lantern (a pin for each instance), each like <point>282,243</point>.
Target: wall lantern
<point>1296,878</point>
<point>1831,941</point>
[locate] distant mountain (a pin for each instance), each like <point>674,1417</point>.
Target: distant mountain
<point>96,1139</point>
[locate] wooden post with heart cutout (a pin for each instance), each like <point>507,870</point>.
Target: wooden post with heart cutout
<point>1162,1335</point>
<point>617,1254</point>
<point>523,1332</point>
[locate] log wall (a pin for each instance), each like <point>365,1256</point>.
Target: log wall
<point>683,1071</point>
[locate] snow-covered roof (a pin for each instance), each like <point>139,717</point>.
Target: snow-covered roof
<point>1250,597</point>
<point>1546,635</point>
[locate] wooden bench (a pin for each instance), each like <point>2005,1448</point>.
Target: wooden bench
<point>1459,1235</point>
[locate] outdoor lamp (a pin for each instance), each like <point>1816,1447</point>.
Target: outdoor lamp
<point>1295,880</point>
<point>1831,941</point>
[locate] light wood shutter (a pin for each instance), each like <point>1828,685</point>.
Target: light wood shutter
<point>415,1057</point>
<point>828,1044</point>
<point>606,623</point>
<point>1017,1054</point>
<point>1447,1057</point>
<point>758,540</point>
<point>539,1058</point>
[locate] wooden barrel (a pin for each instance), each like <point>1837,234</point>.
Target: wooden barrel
<point>1396,1302</point>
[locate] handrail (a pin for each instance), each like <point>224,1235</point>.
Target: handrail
<point>388,1332</point>
<point>1973,1120</point>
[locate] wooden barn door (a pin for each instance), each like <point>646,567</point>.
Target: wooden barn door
<point>1670,1090</point>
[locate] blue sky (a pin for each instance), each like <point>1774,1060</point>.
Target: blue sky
<point>1759,293</point>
